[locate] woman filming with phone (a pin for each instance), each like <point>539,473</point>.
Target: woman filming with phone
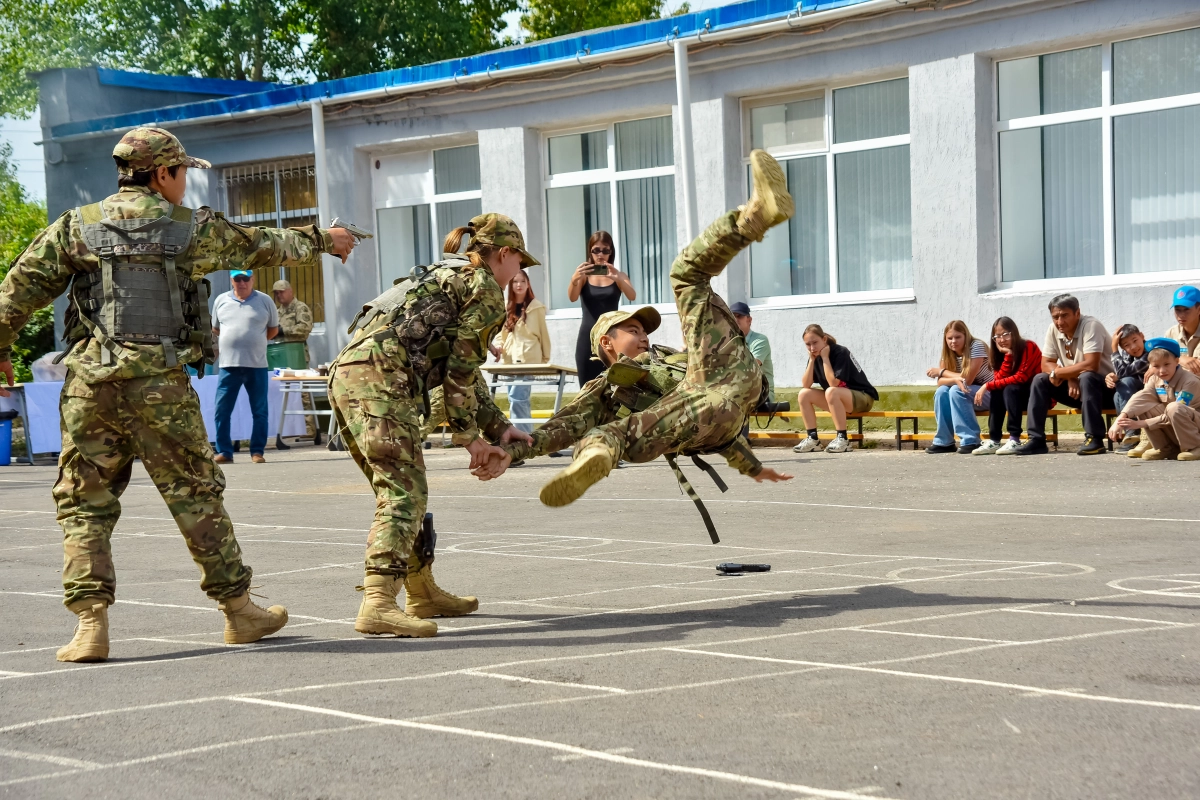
<point>598,284</point>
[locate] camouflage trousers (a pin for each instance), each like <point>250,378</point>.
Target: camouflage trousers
<point>382,434</point>
<point>157,419</point>
<point>437,413</point>
<point>723,383</point>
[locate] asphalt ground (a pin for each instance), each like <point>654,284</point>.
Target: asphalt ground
<point>931,627</point>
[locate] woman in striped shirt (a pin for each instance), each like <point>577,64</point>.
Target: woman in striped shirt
<point>1015,362</point>
<point>962,371</point>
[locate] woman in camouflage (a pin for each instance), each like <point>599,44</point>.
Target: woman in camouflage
<point>430,332</point>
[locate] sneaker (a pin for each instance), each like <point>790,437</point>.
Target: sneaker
<point>968,449</point>
<point>1128,443</point>
<point>807,446</point>
<point>838,445</point>
<point>1008,448</point>
<point>987,448</point>
<point>1092,446</point>
<point>934,449</point>
<point>1032,447</point>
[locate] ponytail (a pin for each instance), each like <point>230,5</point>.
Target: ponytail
<point>454,238</point>
<point>819,331</point>
<point>477,252</point>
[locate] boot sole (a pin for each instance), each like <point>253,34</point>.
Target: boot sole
<point>86,657</point>
<point>569,485</point>
<point>426,613</point>
<point>250,639</point>
<point>770,184</point>
<point>374,628</point>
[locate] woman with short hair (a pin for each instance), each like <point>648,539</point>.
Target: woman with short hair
<point>962,370</point>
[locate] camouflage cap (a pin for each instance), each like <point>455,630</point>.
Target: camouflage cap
<point>147,148</point>
<point>280,286</point>
<point>648,316</point>
<point>500,231</point>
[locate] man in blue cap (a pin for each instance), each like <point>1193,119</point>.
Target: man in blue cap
<point>1186,305</point>
<point>1168,408</point>
<point>244,320</point>
<point>760,346</point>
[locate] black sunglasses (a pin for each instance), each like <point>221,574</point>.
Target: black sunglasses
<point>602,251</point>
<point>241,278</point>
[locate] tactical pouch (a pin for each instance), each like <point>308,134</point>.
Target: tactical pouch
<point>626,373</point>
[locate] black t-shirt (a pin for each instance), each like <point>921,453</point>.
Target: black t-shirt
<point>846,370</point>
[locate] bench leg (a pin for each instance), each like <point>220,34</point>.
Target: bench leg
<point>916,425</point>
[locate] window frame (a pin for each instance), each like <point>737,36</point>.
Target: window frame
<point>829,151</point>
<point>610,175</point>
<point>1106,112</point>
<point>431,198</point>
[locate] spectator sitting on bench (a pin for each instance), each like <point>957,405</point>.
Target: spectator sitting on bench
<point>1168,408</point>
<point>1130,366</point>
<point>844,389</point>
<point>1186,305</point>
<point>1075,359</point>
<point>960,374</point>
<point>760,346</point>
<point>1015,361</point>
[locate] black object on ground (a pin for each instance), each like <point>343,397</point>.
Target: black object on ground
<point>730,568</point>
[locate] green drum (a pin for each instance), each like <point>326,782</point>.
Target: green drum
<point>286,355</point>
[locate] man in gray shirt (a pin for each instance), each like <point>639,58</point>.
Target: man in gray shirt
<point>244,320</point>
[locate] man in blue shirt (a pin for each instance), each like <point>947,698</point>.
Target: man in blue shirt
<point>760,346</point>
<point>244,320</point>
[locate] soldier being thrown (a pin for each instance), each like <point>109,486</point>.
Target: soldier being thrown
<point>431,331</point>
<point>652,402</point>
<point>134,264</point>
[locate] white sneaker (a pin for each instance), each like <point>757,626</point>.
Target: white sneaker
<point>807,446</point>
<point>988,448</point>
<point>1008,448</point>
<point>838,445</point>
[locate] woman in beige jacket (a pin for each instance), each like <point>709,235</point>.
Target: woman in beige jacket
<point>523,339</point>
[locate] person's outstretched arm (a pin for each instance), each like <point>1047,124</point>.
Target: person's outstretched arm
<point>220,244</point>
<point>588,410</point>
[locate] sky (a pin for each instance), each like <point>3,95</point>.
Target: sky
<point>22,133</point>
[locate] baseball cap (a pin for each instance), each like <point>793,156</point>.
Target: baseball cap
<point>280,286</point>
<point>647,315</point>
<point>500,231</point>
<point>740,308</point>
<point>147,148</point>
<point>1186,296</point>
<point>1162,343</point>
<point>238,273</point>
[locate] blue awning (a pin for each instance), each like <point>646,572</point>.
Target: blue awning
<point>607,40</point>
<point>180,83</point>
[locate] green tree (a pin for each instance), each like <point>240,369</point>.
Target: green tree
<point>545,19</point>
<point>20,220</point>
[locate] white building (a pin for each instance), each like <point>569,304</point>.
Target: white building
<point>949,159</point>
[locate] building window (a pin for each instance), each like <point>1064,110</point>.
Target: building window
<point>1099,159</point>
<point>419,198</point>
<point>845,153</point>
<point>624,172</point>
<point>279,195</point>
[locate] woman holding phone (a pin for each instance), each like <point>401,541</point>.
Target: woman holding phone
<point>598,284</point>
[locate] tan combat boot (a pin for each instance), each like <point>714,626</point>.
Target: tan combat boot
<point>245,622</point>
<point>591,465</point>
<point>379,613</point>
<point>1189,455</point>
<point>427,599</point>
<point>91,632</point>
<point>1143,445</point>
<point>769,203</point>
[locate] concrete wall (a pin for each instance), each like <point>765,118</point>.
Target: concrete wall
<point>948,56</point>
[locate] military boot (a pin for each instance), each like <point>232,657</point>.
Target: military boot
<point>591,465</point>
<point>245,622</point>
<point>91,632</point>
<point>427,599</point>
<point>379,613</point>
<point>770,203</point>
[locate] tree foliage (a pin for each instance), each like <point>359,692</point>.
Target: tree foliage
<point>545,19</point>
<point>20,220</point>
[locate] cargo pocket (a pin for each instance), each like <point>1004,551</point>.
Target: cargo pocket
<point>386,435</point>
<point>172,412</point>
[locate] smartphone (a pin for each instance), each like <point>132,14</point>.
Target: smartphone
<point>598,269</point>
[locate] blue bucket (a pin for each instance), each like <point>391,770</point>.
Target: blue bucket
<point>5,442</point>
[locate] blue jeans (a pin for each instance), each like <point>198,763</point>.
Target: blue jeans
<point>229,381</point>
<point>519,406</point>
<point>955,413</point>
<point>1124,390</point>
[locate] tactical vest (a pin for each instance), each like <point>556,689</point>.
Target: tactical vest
<point>139,303</point>
<point>635,387</point>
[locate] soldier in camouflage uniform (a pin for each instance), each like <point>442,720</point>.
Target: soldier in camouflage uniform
<point>654,402</point>
<point>131,261</point>
<point>295,325</point>
<point>428,332</point>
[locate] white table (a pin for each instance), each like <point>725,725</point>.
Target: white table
<point>314,387</point>
<point>530,375</point>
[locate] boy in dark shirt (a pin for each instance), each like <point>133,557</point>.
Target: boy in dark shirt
<point>1129,359</point>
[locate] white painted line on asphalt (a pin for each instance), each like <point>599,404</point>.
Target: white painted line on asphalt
<point>1096,616</point>
<point>519,679</point>
<point>599,755</point>
<point>935,636</point>
<point>1038,690</point>
<point>8,673</point>
<point>58,761</point>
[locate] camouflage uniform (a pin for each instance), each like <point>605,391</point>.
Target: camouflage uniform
<point>701,413</point>
<point>378,401</point>
<point>437,406</point>
<point>295,324</point>
<point>132,404</point>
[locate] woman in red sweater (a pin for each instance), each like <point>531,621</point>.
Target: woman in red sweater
<point>1014,362</point>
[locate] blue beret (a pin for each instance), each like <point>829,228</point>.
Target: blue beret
<point>1161,343</point>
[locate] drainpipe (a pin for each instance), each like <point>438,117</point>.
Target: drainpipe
<point>328,271</point>
<point>683,91</point>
